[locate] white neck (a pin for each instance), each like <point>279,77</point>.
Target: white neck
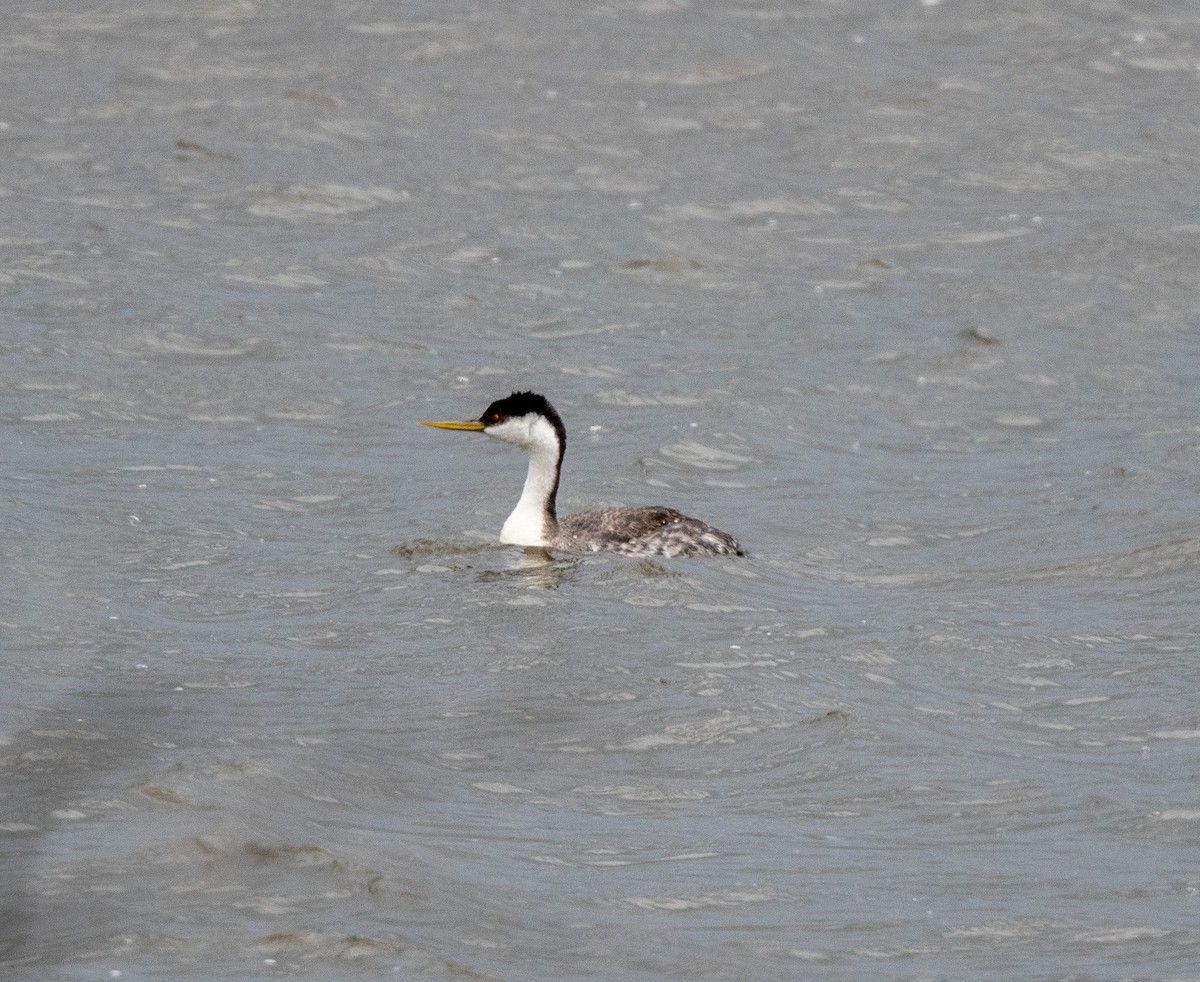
<point>532,522</point>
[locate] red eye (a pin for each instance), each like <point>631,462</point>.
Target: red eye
<point>495,418</point>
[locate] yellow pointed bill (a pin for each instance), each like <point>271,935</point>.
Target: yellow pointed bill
<point>471,424</point>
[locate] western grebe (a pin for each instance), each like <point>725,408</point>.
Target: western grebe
<point>527,420</point>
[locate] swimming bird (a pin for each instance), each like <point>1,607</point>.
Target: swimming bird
<point>528,421</point>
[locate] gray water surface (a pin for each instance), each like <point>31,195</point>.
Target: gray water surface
<point>902,295</point>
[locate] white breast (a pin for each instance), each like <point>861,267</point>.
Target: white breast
<point>531,524</point>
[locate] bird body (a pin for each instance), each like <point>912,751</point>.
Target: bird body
<point>528,421</point>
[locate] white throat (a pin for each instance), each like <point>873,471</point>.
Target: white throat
<point>532,522</point>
